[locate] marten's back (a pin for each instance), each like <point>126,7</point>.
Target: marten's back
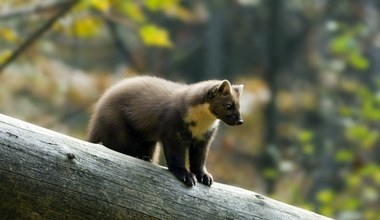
<point>139,102</point>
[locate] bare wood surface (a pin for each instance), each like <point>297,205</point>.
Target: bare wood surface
<point>47,175</point>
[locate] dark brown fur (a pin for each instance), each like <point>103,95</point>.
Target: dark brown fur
<point>137,113</point>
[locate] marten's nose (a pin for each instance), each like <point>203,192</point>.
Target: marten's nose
<point>240,121</point>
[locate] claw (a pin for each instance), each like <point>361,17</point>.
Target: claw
<point>184,176</point>
<point>205,178</point>
<point>190,180</point>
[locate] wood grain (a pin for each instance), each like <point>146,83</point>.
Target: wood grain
<point>47,175</point>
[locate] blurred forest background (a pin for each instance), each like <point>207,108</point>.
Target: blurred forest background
<point>310,67</point>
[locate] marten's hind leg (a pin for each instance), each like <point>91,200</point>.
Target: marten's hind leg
<point>124,139</point>
<point>131,142</point>
<point>148,151</point>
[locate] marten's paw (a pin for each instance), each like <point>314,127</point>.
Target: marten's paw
<point>146,158</point>
<point>204,178</point>
<point>183,175</point>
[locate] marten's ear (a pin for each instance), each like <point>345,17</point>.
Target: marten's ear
<point>224,87</point>
<point>238,89</point>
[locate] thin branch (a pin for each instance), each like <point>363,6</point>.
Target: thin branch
<point>65,8</point>
<point>22,11</point>
<point>119,44</point>
<point>116,19</point>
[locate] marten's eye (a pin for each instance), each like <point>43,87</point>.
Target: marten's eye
<point>229,107</point>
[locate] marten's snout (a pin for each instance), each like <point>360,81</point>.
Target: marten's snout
<point>235,120</point>
<point>239,120</point>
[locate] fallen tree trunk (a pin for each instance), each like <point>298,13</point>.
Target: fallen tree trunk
<point>47,175</point>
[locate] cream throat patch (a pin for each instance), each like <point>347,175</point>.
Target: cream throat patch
<point>200,120</point>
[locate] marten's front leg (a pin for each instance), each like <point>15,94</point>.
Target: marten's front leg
<point>175,153</point>
<point>197,156</point>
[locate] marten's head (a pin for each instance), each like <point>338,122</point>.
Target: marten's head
<point>225,102</point>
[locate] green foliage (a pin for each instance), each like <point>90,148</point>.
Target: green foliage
<point>8,35</point>
<point>351,204</point>
<point>346,111</point>
<point>344,156</point>
<point>308,149</point>
<point>270,173</point>
<point>156,5</point>
<point>328,108</point>
<point>101,5</point>
<point>357,120</point>
<point>344,44</point>
<point>133,11</point>
<point>358,61</point>
<point>353,180</point>
<point>89,25</point>
<point>4,54</point>
<point>154,36</point>
<point>348,45</point>
<point>357,132</point>
<point>86,27</point>
<point>325,196</point>
<point>305,136</point>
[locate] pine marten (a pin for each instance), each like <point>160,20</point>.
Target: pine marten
<point>137,113</point>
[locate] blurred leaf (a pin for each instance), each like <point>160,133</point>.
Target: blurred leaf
<point>326,210</point>
<point>357,132</point>
<point>308,149</point>
<point>370,214</point>
<point>83,5</point>
<point>370,111</point>
<point>270,173</point>
<point>179,12</point>
<point>4,55</point>
<point>344,156</point>
<point>155,5</point>
<point>305,136</point>
<point>370,140</point>
<point>86,27</point>
<point>345,111</point>
<point>8,35</point>
<point>364,92</point>
<point>132,10</point>
<point>325,196</point>
<point>351,204</point>
<point>353,180</point>
<point>155,36</point>
<point>348,85</point>
<point>170,8</point>
<point>376,177</point>
<point>358,61</point>
<point>343,44</point>
<point>369,169</point>
<point>102,5</point>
